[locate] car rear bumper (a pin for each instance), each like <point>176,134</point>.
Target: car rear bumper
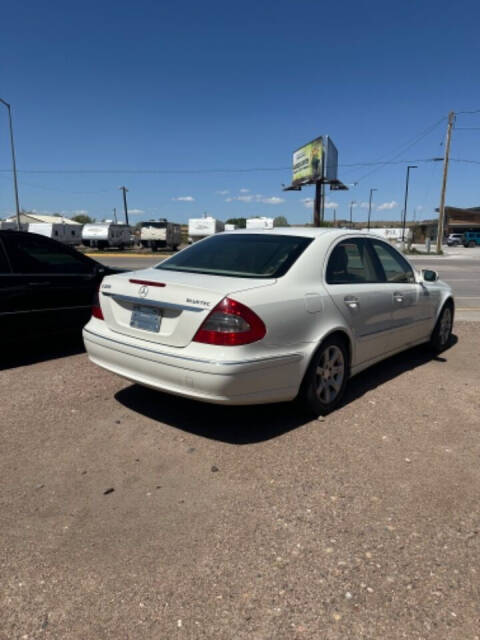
<point>243,381</point>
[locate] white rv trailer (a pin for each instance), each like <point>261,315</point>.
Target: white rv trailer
<point>67,233</point>
<point>8,224</point>
<point>199,228</point>
<point>260,223</point>
<point>107,234</point>
<point>156,234</point>
<point>392,234</point>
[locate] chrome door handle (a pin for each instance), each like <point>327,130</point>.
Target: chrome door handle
<point>398,297</point>
<point>351,302</point>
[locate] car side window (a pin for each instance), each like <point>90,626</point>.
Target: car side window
<point>32,255</point>
<point>350,262</point>
<point>395,267</point>
<point>4,266</point>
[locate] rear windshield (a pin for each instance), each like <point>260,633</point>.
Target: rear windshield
<point>240,255</point>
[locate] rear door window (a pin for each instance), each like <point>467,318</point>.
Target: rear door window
<point>350,262</point>
<point>35,255</point>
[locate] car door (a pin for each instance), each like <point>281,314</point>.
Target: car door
<point>60,280</point>
<point>412,306</point>
<point>354,282</point>
<point>15,301</point>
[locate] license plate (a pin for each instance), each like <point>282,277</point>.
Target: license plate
<point>146,318</point>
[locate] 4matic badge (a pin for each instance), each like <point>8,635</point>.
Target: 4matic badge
<point>204,303</point>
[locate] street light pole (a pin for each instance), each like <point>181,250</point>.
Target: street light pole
<point>351,207</point>
<point>404,221</point>
<point>370,207</point>
<point>14,164</point>
<point>125,208</point>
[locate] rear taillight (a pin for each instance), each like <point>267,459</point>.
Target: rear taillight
<point>96,308</point>
<point>230,324</point>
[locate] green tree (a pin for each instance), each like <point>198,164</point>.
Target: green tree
<point>280,221</point>
<point>240,223</point>
<point>82,219</point>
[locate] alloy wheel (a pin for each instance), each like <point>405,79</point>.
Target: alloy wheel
<point>330,374</point>
<point>445,327</point>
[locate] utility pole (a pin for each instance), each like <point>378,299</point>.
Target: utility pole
<point>351,216</point>
<point>441,212</point>
<point>115,214</point>
<point>14,164</point>
<point>370,207</point>
<point>125,208</point>
<point>334,217</point>
<point>404,218</point>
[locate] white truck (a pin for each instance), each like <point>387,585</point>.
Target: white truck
<point>67,233</point>
<point>260,223</point>
<point>199,228</point>
<point>157,234</point>
<point>230,227</point>
<point>101,235</point>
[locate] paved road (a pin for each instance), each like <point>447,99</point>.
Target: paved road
<point>461,269</point>
<point>126,513</point>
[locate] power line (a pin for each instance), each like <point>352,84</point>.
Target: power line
<point>417,139</point>
<point>190,171</point>
<point>464,160</point>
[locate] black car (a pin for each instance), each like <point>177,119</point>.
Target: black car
<point>45,286</point>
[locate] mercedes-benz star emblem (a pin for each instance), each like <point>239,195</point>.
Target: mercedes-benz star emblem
<point>143,291</point>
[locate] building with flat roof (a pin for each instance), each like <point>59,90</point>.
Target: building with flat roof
<point>26,217</point>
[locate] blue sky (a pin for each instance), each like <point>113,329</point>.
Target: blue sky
<point>109,93</point>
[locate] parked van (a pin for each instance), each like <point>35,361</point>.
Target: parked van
<point>107,234</point>
<point>156,234</point>
<point>67,233</point>
<point>471,239</point>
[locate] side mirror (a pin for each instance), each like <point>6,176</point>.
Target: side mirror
<point>429,275</point>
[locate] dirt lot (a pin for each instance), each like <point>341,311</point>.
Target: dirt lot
<point>129,514</point>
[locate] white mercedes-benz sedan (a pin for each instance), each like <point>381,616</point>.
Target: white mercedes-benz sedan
<point>252,316</point>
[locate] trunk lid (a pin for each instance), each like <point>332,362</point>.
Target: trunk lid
<point>170,307</point>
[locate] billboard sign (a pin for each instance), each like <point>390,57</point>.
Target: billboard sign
<point>308,162</point>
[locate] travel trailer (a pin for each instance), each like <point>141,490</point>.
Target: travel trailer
<point>101,235</point>
<point>67,233</point>
<point>199,228</point>
<point>260,223</point>
<point>158,234</point>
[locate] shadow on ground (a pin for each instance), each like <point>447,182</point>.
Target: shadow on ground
<point>250,424</point>
<point>40,350</point>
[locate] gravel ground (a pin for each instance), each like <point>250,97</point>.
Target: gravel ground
<point>130,514</point>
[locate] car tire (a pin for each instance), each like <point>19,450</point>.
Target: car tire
<point>324,383</point>
<point>472,244</point>
<point>441,335</point>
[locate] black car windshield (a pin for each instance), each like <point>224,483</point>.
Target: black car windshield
<point>242,255</point>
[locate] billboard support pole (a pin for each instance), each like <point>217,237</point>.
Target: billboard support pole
<point>318,207</point>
